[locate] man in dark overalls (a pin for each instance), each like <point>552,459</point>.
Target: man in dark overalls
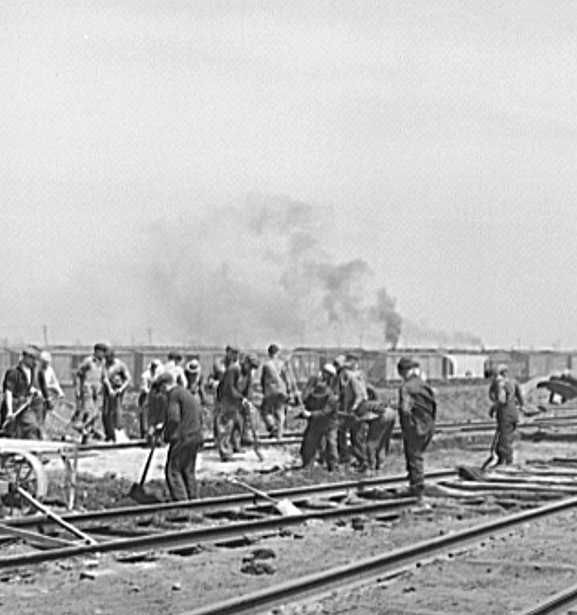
<point>417,413</point>
<point>19,391</point>
<point>506,396</point>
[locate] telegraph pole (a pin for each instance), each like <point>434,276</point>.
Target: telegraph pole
<point>45,334</point>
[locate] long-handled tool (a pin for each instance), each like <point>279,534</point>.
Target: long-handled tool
<point>10,419</point>
<point>52,515</point>
<point>285,507</point>
<point>252,411</point>
<point>137,492</point>
<point>471,473</point>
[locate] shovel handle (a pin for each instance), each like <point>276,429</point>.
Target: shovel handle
<point>262,494</point>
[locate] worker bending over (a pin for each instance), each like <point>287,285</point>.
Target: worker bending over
<point>183,432</point>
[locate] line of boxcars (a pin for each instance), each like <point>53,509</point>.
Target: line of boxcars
<point>380,366</point>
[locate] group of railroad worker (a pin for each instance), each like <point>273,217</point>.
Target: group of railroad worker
<point>345,419</point>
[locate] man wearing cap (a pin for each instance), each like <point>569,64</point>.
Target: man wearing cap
<point>321,404</point>
<point>89,386</point>
<point>352,396</point>
<point>231,401</point>
<point>417,413</point>
<point>183,432</point>
<point>173,366</point>
<point>195,379</point>
<point>506,397</point>
<point>48,383</point>
<point>277,388</point>
<point>152,371</point>
<point>380,419</point>
<point>22,405</point>
<point>115,380</point>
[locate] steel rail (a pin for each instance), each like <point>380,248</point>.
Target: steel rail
<point>224,502</point>
<point>295,437</point>
<point>184,539</point>
<point>557,604</point>
<point>369,568</point>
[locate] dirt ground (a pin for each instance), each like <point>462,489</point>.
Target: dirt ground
<point>175,584</point>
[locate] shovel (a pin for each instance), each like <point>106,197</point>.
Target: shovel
<point>470,473</point>
<point>137,492</point>
<point>285,507</point>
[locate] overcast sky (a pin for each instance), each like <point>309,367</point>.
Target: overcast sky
<point>441,135</point>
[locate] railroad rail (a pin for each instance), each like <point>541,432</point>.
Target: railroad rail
<point>365,570</point>
<point>296,437</point>
<point>225,502</point>
<point>558,604</point>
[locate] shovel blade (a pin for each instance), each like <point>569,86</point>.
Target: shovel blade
<point>287,509</point>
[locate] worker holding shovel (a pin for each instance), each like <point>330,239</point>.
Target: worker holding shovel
<point>183,432</point>
<point>505,393</point>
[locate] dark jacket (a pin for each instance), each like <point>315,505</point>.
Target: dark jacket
<point>229,388</point>
<point>183,416</point>
<point>321,402</point>
<point>417,406</point>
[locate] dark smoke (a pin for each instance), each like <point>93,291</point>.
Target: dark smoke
<point>385,312</point>
<point>420,334</point>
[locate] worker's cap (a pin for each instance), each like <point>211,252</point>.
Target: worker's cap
<point>351,357</point>
<point>101,347</point>
<point>273,349</point>
<point>405,364</point>
<point>502,368</point>
<point>339,361</point>
<point>252,360</point>
<point>165,378</point>
<point>175,355</point>
<point>231,350</point>
<point>155,363</point>
<point>45,356</point>
<point>31,351</point>
<point>328,368</point>
<point>193,366</point>
<point>110,354</point>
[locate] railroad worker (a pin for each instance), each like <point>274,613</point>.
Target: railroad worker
<point>22,404</point>
<point>88,381</point>
<point>231,402</point>
<point>115,380</point>
<point>352,395</point>
<point>152,371</point>
<point>320,408</point>
<point>183,433</point>
<point>195,379</point>
<point>507,398</point>
<point>277,388</point>
<point>380,419</point>
<point>174,366</point>
<point>244,431</point>
<point>417,413</point>
<point>48,384</point>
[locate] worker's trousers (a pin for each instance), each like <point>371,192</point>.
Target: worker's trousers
<point>505,437</point>
<point>355,431</point>
<point>273,414</point>
<point>317,430</point>
<point>225,420</point>
<point>180,470</point>
<point>416,439</point>
<point>111,407</point>
<point>379,438</point>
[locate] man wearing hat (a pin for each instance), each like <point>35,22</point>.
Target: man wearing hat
<point>183,432</point>
<point>321,404</point>
<point>277,388</point>
<point>195,379</point>
<point>417,413</point>
<point>115,380</point>
<point>48,383</point>
<point>231,401</point>
<point>352,395</point>
<point>173,366</point>
<point>89,386</point>
<point>22,405</point>
<point>506,397</point>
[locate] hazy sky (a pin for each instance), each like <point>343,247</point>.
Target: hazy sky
<point>440,137</point>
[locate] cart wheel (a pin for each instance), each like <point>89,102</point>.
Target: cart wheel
<point>24,470</point>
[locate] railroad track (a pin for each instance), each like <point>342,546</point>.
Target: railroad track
<point>296,437</point>
<point>394,563</point>
<point>385,509</point>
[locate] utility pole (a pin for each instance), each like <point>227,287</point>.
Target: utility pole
<point>149,333</point>
<point>45,334</point>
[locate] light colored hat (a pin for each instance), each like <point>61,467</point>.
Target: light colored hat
<point>45,356</point>
<point>193,366</point>
<point>329,368</point>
